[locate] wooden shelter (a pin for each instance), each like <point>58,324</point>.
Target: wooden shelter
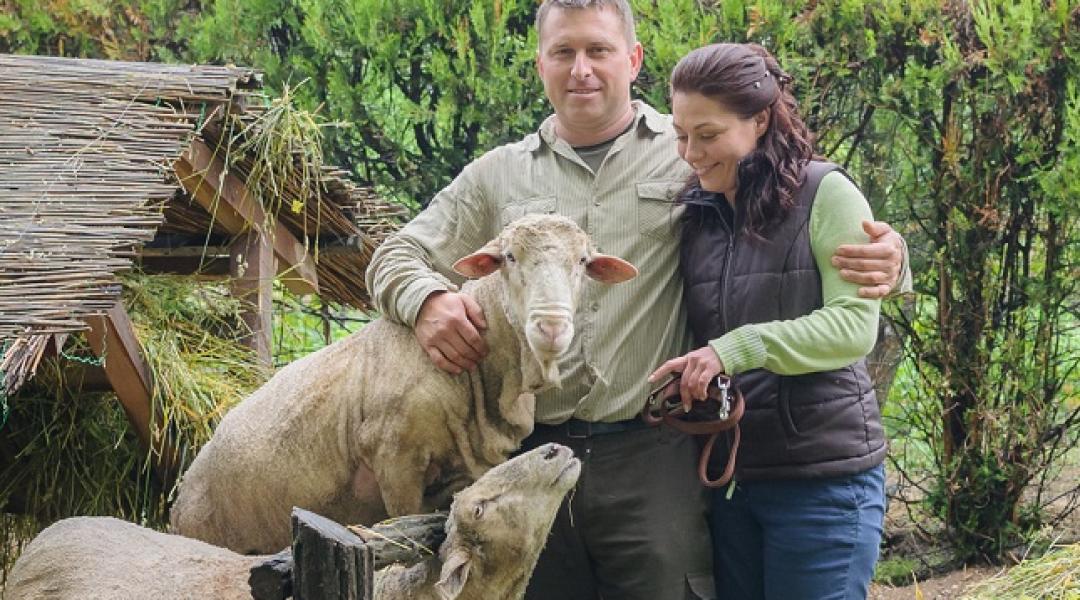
<point>104,164</point>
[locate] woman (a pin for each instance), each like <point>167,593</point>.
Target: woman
<point>803,517</point>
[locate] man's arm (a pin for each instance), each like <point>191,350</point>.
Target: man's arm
<point>411,281</point>
<point>881,267</point>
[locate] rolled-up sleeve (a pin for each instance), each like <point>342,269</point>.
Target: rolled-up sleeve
<point>417,260</point>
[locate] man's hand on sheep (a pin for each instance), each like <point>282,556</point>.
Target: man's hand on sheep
<point>448,328</point>
<point>876,265</point>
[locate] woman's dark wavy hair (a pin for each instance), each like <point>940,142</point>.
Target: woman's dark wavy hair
<point>746,79</point>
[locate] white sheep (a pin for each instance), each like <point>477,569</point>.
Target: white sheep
<point>368,427</point>
<point>495,531</point>
<point>494,534</point>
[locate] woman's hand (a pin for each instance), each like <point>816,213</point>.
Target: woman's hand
<point>698,369</point>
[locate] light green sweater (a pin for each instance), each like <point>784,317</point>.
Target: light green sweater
<point>844,329</point>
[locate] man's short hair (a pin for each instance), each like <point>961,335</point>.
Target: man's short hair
<point>621,8</point>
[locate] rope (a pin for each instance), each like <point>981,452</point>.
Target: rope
<point>93,361</point>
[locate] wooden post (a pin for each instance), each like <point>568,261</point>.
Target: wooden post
<point>338,563</point>
<point>251,266</point>
<point>112,337</point>
<point>329,561</point>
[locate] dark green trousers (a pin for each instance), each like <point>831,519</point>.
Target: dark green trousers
<point>634,528</point>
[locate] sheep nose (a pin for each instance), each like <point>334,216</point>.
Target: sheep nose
<point>551,451</point>
<point>551,328</point>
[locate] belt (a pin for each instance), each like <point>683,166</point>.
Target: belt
<point>578,429</point>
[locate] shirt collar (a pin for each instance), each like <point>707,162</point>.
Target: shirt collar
<point>644,113</point>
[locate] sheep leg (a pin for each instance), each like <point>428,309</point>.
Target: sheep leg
<point>401,481</point>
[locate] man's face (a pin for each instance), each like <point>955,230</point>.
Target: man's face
<point>587,66</point>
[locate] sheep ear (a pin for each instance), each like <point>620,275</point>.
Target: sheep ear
<point>484,261</point>
<point>455,572</point>
<point>610,269</point>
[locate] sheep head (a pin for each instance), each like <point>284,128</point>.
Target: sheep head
<point>498,525</point>
<point>543,260</point>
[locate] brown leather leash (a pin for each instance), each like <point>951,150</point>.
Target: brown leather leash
<point>719,413</point>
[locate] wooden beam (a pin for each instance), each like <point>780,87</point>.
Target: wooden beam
<point>210,268</point>
<point>203,175</point>
<point>112,337</point>
<point>251,267</point>
<point>207,252</point>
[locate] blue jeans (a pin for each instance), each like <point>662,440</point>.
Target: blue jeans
<point>812,539</point>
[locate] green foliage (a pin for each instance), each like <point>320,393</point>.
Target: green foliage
<point>305,324</point>
<point>960,117</point>
<point>114,29</point>
<point>896,571</point>
<point>427,85</point>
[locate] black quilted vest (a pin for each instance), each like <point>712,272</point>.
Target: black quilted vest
<point>824,424</point>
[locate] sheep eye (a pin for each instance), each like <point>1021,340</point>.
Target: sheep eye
<point>510,257</point>
<point>478,511</point>
<point>583,260</point>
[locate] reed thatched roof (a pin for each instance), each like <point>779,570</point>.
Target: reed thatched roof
<point>87,149</point>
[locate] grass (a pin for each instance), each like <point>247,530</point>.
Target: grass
<point>896,571</point>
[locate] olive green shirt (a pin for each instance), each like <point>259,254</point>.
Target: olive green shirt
<point>623,331</point>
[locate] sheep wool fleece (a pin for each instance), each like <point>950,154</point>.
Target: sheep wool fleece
<point>623,332</point>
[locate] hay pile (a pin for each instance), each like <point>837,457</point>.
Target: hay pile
<point>1053,576</point>
<point>67,451</point>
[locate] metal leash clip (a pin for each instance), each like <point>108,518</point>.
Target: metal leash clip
<point>723,382</point>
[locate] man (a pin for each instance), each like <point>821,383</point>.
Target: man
<point>635,528</point>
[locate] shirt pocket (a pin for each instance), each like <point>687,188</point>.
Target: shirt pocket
<point>533,205</point>
<point>657,213</point>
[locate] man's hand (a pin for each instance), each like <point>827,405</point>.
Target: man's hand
<point>698,369</point>
<point>448,329</point>
<point>874,265</point>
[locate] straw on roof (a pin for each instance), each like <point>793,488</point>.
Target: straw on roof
<point>87,149</point>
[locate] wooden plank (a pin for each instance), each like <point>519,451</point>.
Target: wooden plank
<point>227,199</point>
<point>251,267</point>
<point>209,268</point>
<point>112,337</point>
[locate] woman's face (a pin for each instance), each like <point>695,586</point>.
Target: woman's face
<point>713,140</point>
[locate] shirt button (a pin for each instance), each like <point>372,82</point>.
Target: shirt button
<point>595,306</point>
